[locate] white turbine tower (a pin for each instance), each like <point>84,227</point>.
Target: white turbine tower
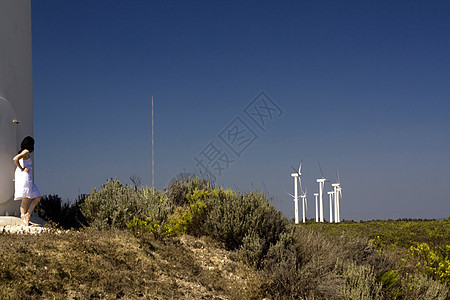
<point>296,175</point>
<point>337,194</point>
<point>317,208</point>
<point>330,194</point>
<point>16,94</point>
<point>321,182</point>
<point>304,204</point>
<point>338,205</point>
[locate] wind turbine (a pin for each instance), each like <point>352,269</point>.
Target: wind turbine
<point>330,194</point>
<point>321,182</point>
<point>317,208</point>
<point>304,204</point>
<point>296,175</point>
<point>337,194</point>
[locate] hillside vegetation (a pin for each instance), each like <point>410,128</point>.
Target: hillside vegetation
<point>198,241</point>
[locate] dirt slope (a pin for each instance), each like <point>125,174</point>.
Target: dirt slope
<point>114,264</point>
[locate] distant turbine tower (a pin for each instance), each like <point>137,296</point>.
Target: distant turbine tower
<point>295,176</point>
<point>330,194</point>
<point>336,206</point>
<point>304,204</point>
<point>337,193</point>
<point>317,208</point>
<point>321,182</point>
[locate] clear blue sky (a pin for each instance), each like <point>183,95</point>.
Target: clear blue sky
<point>362,86</point>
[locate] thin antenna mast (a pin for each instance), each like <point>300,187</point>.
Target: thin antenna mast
<point>153,149</point>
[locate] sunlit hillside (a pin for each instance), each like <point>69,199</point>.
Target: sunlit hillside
<point>199,241</point>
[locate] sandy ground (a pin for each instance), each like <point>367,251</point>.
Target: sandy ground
<point>13,225</point>
<point>20,229</point>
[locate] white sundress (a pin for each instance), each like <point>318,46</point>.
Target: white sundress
<point>23,181</point>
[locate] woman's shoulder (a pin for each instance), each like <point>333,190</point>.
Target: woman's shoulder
<point>25,154</point>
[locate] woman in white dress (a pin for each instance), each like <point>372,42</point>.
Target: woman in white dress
<point>25,189</point>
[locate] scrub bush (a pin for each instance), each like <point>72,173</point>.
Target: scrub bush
<point>435,261</point>
<point>140,227</point>
<point>251,251</point>
<point>360,281</point>
<point>116,204</point>
<point>308,263</point>
<point>421,287</point>
<point>231,216</point>
<point>183,213</point>
<point>178,189</point>
<point>184,218</point>
<point>51,209</point>
<point>391,283</point>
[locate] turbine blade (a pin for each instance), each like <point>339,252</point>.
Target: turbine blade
<point>300,167</point>
<point>320,167</point>
<point>338,179</point>
<point>301,187</point>
<point>295,170</point>
<point>291,195</point>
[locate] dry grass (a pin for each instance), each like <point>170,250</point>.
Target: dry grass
<point>306,263</point>
<point>114,264</point>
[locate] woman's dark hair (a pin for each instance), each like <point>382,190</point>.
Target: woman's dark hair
<point>27,143</point>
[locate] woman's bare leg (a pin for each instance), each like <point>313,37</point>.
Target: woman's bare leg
<point>23,210</point>
<point>33,204</point>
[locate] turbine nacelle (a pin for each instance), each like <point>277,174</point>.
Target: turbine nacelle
<point>299,172</point>
<point>304,193</point>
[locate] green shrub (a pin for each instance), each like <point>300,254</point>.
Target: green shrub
<point>360,281</point>
<point>116,204</point>
<point>309,263</point>
<point>51,209</point>
<point>153,204</point>
<point>184,218</point>
<point>183,212</point>
<point>419,286</point>
<point>199,209</point>
<point>251,250</point>
<point>228,216</point>
<point>231,216</point>
<point>140,227</point>
<point>435,261</point>
<point>178,189</point>
<point>391,283</point>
